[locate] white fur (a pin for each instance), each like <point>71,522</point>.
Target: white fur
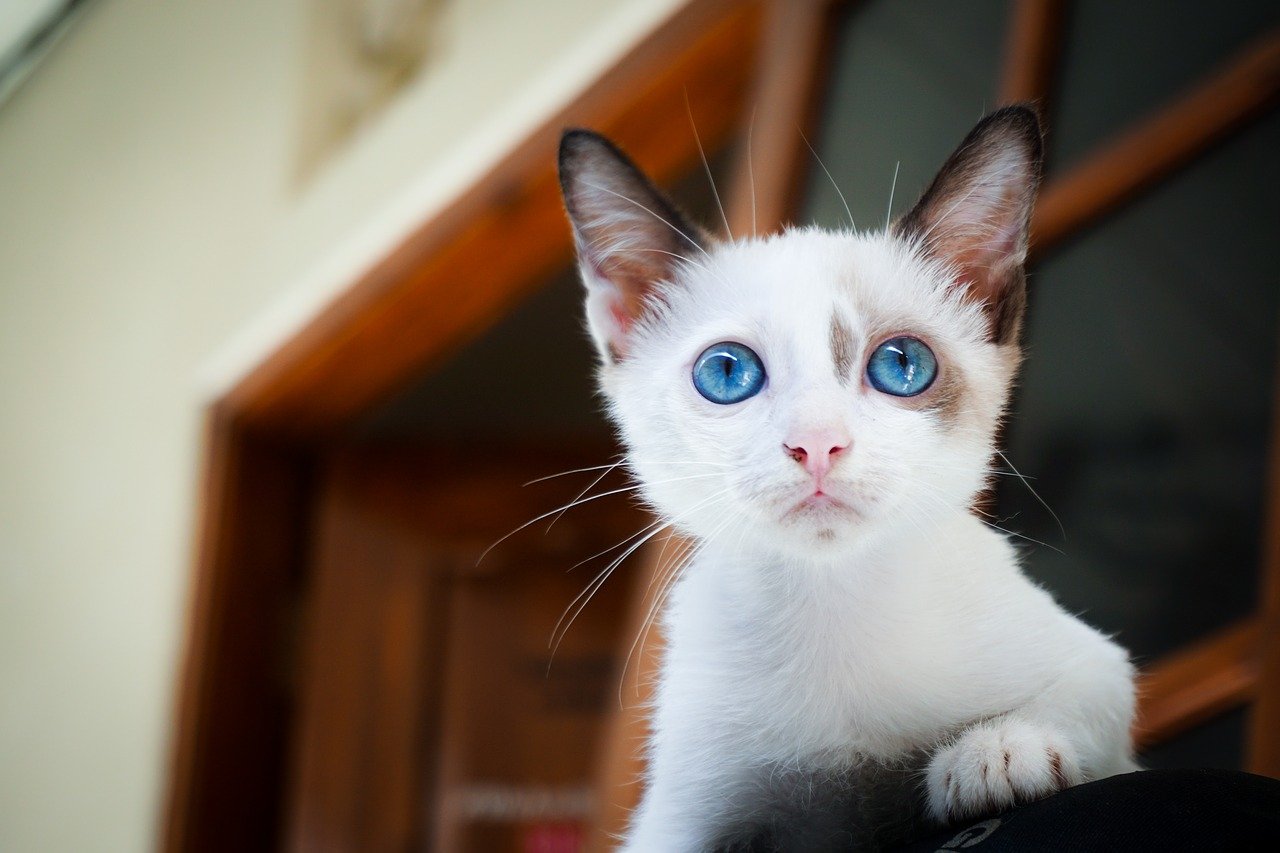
<point>827,638</point>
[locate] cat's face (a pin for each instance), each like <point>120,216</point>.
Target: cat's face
<point>804,391</point>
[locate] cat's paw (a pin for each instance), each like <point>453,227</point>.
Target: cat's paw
<point>994,765</point>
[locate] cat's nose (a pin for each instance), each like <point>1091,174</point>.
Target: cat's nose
<point>817,450</point>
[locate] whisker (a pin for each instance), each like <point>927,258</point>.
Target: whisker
<point>669,582</point>
<point>888,214</point>
<point>751,171</point>
<point>686,237</point>
<point>1034,493</point>
<point>852,225</point>
<point>598,581</point>
<point>567,506</point>
<point>557,635</point>
<point>610,466</point>
<point>705,165</point>
<point>576,502</point>
<point>598,554</point>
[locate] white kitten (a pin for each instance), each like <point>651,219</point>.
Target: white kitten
<point>818,411</point>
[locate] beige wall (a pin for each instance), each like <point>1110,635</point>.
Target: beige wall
<point>153,245</point>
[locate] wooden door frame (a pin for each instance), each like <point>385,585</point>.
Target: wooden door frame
<point>234,705</point>
<point>502,239</point>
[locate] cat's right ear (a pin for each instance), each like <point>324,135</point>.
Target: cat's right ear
<point>975,216</point>
<point>630,238</point>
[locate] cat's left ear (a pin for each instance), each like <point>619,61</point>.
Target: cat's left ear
<point>976,214</point>
<point>630,238</point>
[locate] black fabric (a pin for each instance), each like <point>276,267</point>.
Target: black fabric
<point>1154,810</point>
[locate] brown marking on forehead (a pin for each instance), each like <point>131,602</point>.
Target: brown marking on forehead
<point>841,348</point>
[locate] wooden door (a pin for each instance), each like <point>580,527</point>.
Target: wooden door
<point>432,712</point>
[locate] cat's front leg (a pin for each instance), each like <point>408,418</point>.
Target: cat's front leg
<point>1075,730</point>
<point>997,763</point>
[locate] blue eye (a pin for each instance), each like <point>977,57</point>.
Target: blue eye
<point>728,373</point>
<point>903,367</point>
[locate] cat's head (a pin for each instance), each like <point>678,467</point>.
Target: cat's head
<point>805,391</point>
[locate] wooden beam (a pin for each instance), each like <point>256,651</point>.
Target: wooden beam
<point>1263,747</point>
<point>791,74</point>
<point>233,703</point>
<point>461,271</point>
<point>1032,46</point>
<point>1196,684</point>
<point>1242,90</point>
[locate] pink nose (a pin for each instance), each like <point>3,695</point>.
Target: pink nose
<point>817,450</point>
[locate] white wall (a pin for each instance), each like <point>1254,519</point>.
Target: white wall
<point>152,247</point>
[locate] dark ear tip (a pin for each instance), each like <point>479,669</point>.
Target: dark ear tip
<point>572,141</point>
<point>1022,119</point>
<point>578,143</point>
<point>575,137</point>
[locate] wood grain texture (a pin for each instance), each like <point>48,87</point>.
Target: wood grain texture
<point>461,271</point>
<point>1193,685</point>
<point>1139,157</point>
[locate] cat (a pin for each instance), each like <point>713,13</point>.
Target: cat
<point>817,411</point>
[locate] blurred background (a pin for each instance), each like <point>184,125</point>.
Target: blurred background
<point>287,321</point>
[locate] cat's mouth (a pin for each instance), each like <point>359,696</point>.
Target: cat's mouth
<point>819,505</point>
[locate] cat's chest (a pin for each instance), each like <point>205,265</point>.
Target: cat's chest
<point>811,674</point>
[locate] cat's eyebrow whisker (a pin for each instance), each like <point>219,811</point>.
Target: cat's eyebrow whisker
<point>751,171</point>
<point>706,269</point>
<point>852,225</point>
<point>706,166</point>
<point>888,214</point>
